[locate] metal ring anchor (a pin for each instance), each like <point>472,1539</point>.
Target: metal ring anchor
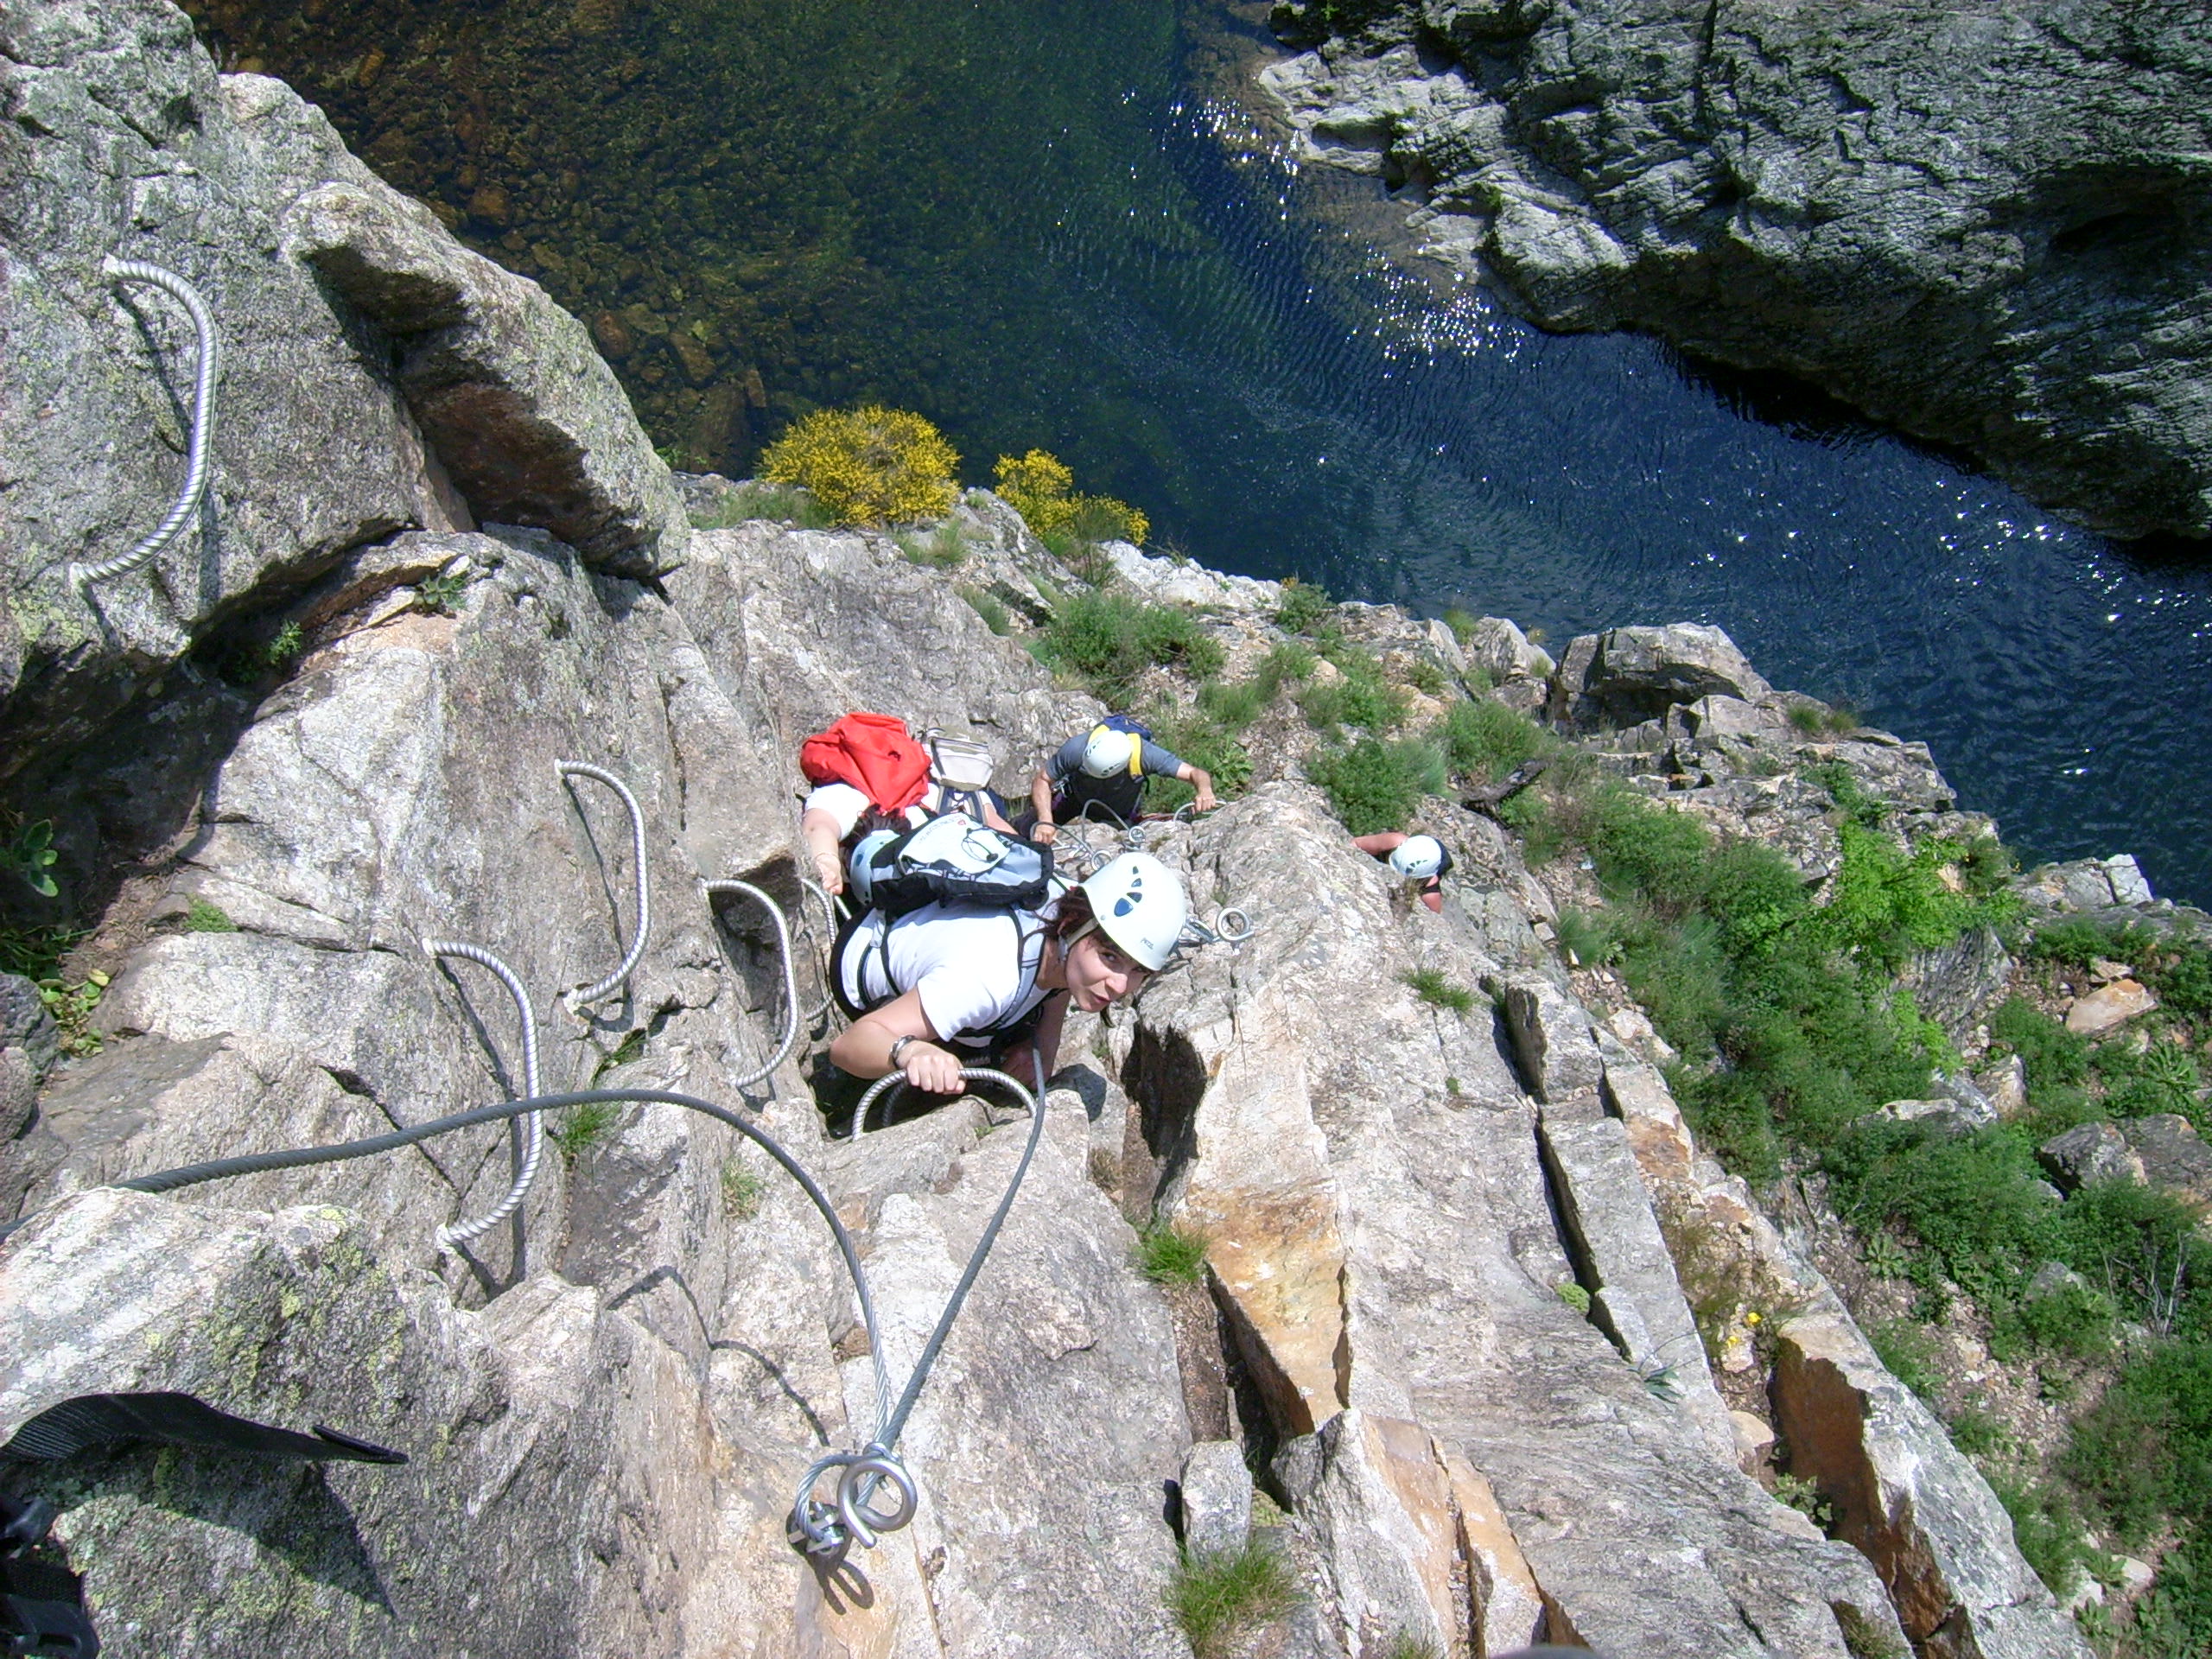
<point>856,1489</point>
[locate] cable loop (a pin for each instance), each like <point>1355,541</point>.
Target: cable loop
<point>203,420</point>
<point>791,977</point>
<point>461,1232</point>
<point>576,999</point>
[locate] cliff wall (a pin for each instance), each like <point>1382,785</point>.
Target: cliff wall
<point>1985,227</point>
<point>321,730</point>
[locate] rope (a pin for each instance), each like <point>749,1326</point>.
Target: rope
<point>791,977</point>
<point>830,920</point>
<point>583,994</point>
<point>824,1531</point>
<point>203,420</point>
<point>461,1232</point>
<point>827,1531</point>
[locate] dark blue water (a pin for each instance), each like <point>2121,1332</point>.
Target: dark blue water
<point>1045,223</point>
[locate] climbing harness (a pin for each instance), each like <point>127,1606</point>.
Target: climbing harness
<point>203,421</point>
<point>576,999</point>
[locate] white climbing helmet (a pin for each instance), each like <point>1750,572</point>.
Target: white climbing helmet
<point>859,876</point>
<point>1418,857</point>
<point>1111,752</point>
<point>1140,905</point>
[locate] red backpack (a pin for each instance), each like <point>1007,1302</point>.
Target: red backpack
<point>873,753</point>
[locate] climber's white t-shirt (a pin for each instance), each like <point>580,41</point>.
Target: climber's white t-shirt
<point>973,965</point>
<point>845,803</point>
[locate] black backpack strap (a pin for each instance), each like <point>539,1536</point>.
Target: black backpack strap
<point>174,1420</point>
<point>42,1607</point>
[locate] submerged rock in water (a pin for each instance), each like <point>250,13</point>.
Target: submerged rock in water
<point>1986,227</point>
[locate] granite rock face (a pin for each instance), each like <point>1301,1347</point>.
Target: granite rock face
<point>1986,227</point>
<point>609,1400</point>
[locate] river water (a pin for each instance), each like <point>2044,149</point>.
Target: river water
<point>1044,223</point>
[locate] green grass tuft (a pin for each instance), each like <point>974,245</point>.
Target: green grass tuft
<point>1303,605</point>
<point>1433,988</point>
<point>1375,785</point>
<point>1108,640</point>
<point>742,1190</point>
<point>987,605</point>
<point>1217,1599</point>
<point>581,1127</point>
<point>1169,1255</point>
<point>205,918</point>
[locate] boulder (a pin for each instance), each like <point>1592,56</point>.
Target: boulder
<point>2109,1006</point>
<point>1627,675</point>
<point>525,417</point>
<point>1216,1499</point>
<point>2023,275</point>
<point>1908,1499</point>
<point>1947,1114</point>
<point>2004,1085</point>
<point>1551,1038</point>
<point>2090,1152</point>
<point>28,1042</point>
<point>1505,654</point>
<point>2173,1157</point>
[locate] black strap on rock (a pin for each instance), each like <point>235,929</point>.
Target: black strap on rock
<point>174,1420</point>
<point>42,1607</point>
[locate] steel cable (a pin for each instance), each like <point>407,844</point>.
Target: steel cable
<point>461,1232</point>
<point>791,975</point>
<point>203,420</point>
<point>584,993</point>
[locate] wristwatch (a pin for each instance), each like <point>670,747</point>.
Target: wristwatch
<point>898,1047</point>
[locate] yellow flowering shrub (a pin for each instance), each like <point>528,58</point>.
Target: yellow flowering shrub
<point>1041,487</point>
<point>867,466</point>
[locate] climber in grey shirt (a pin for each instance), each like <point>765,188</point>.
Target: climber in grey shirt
<point>1108,765</point>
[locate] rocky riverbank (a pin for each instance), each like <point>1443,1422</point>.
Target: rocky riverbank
<point>1483,1347</point>
<point>1986,229</point>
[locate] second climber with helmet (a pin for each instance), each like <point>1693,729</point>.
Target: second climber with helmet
<point>1106,767</point>
<point>1421,861</point>
<point>944,986</point>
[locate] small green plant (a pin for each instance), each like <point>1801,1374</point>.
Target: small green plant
<point>987,605</point>
<point>1864,1639</point>
<point>1375,786</point>
<point>1461,621</point>
<point>440,595</point>
<point>1485,740</point>
<point>1843,788</point>
<point>1303,604</point>
<point>1806,717</point>
<point>632,1045</point>
<point>32,857</point>
<point>1362,695</point>
<point>1108,640</point>
<point>1216,1598</point>
<point>867,466</point>
<point>1432,987</point>
<point>781,503</point>
<point>1803,1495</point>
<point>1412,1644</point>
<point>742,1191</point>
<point>1574,1296</point>
<point>1908,1352</point>
<point>1169,1255</point>
<point>283,648</point>
<point>205,918</point>
<point>944,547</point>
<point>581,1127</point>
<point>1590,937</point>
<point>36,953</point>
<point>72,1007</point>
<point>1427,676</point>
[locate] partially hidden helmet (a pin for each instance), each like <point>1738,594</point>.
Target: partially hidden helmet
<point>1110,752</point>
<point>1140,905</point>
<point>859,876</point>
<point>1419,857</point>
